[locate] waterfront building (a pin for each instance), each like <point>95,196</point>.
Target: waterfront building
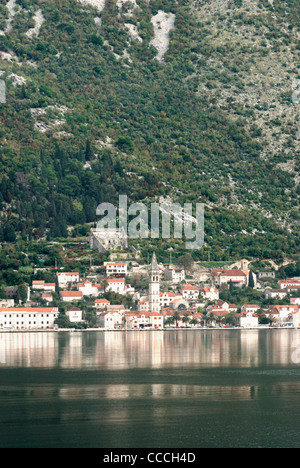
<point>74,314</point>
<point>153,320</point>
<point>248,318</point>
<point>28,318</point>
<point>284,314</point>
<point>110,320</point>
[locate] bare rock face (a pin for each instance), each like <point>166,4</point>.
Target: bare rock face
<point>163,23</point>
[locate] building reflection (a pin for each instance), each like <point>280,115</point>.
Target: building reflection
<point>148,349</point>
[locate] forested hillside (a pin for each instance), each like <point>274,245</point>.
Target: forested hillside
<point>193,100</point>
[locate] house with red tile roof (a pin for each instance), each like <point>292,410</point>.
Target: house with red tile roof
<point>210,293</point>
<point>28,317</point>
<point>43,286</point>
<point>236,277</point>
<point>101,303</point>
<point>69,296</point>
<point>65,278</point>
<point>248,319</point>
<point>250,308</point>
<point>282,311</point>
<point>115,268</point>
<point>290,284</point>
<point>116,285</point>
<point>110,320</point>
<point>89,289</point>
<point>153,320</point>
<point>189,292</point>
<point>287,313</point>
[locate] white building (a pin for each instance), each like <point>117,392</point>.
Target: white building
<point>210,293</point>
<point>284,313</point>
<point>115,268</point>
<point>47,297</point>
<point>248,320</point>
<point>101,304</point>
<point>271,293</point>
<point>5,303</point>
<point>120,308</point>
<point>116,285</point>
<point>236,277</point>
<point>89,289</point>
<point>174,275</point>
<point>38,285</point>
<point>152,320</point>
<point>154,286</point>
<point>292,285</point>
<point>110,320</point>
<point>69,296</point>
<point>295,300</point>
<point>143,306</point>
<point>189,292</point>
<point>74,314</point>
<point>65,278</point>
<point>28,318</point>
<point>222,306</point>
<point>250,308</point>
<point>42,286</point>
<point>165,298</point>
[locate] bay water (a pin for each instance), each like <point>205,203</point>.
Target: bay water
<point>202,388</point>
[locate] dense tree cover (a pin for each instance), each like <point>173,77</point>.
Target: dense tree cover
<point>134,126</point>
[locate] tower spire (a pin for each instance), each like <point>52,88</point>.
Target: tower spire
<point>154,264</point>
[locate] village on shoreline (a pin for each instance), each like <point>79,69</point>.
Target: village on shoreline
<point>127,295</point>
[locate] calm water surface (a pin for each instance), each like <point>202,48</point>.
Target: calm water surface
<point>173,389</point>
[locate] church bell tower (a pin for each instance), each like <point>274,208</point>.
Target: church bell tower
<point>154,288</point>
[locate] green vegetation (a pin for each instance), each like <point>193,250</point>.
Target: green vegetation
<point>214,123</point>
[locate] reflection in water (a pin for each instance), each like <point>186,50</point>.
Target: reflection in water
<point>181,388</point>
<point>154,349</point>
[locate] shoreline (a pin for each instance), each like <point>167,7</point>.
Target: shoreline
<point>103,330</point>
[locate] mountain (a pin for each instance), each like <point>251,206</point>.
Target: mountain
<point>193,101</point>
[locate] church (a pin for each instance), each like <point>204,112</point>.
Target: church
<point>154,286</point>
<point>151,303</point>
<point>155,301</point>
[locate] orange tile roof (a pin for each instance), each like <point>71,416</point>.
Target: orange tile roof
<point>189,287</point>
<point>71,293</point>
<point>116,280</point>
<point>30,309</point>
